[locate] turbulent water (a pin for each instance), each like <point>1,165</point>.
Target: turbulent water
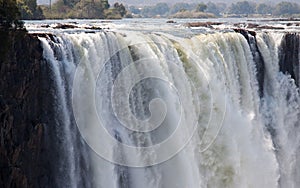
<point>144,109</point>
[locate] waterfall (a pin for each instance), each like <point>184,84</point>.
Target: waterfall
<point>151,110</point>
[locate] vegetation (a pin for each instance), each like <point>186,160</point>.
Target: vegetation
<point>201,7</point>
<point>178,10</point>
<point>180,7</point>
<point>29,10</point>
<point>11,11</point>
<point>238,9</point>
<point>286,8</point>
<point>10,15</point>
<point>242,7</point>
<point>159,9</point>
<point>87,9</point>
<point>120,9</point>
<point>263,9</point>
<point>192,14</point>
<point>280,9</point>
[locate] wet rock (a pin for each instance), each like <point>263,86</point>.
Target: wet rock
<point>170,21</point>
<point>73,22</point>
<point>245,32</point>
<point>90,32</point>
<point>93,28</point>
<point>23,82</point>
<point>257,57</point>
<point>65,26</point>
<point>202,24</point>
<point>252,25</point>
<point>285,19</point>
<point>45,25</point>
<point>270,27</point>
<point>289,51</point>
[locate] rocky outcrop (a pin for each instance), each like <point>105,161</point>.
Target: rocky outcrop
<point>250,36</point>
<point>23,110</point>
<point>289,59</point>
<point>202,24</point>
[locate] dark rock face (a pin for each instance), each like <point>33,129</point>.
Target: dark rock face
<point>33,150</point>
<point>23,111</point>
<point>257,57</point>
<point>289,56</point>
<point>202,24</point>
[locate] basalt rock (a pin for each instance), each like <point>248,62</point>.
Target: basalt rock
<point>24,111</point>
<point>202,24</point>
<point>250,36</point>
<point>289,56</point>
<point>65,26</point>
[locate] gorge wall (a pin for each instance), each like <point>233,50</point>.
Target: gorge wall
<point>25,110</point>
<point>34,146</point>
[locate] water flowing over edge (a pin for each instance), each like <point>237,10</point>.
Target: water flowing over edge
<point>231,101</point>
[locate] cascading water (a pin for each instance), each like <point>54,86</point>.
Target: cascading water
<point>157,110</point>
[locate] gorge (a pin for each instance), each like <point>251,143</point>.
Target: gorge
<point>138,107</point>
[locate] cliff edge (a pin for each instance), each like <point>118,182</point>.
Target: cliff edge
<point>23,82</point>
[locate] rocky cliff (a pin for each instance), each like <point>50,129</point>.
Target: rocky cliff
<point>31,145</point>
<point>23,110</point>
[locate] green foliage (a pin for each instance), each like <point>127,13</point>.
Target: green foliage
<point>201,7</point>
<point>192,14</point>
<point>212,8</point>
<point>180,6</point>
<point>87,9</point>
<point>183,10</point>
<point>29,9</point>
<point>222,7</point>
<point>105,4</point>
<point>216,8</point>
<point>159,9</point>
<point>70,3</point>
<point>147,11</point>
<point>242,7</point>
<point>286,8</point>
<point>112,14</point>
<point>10,15</point>
<point>120,8</point>
<point>263,8</point>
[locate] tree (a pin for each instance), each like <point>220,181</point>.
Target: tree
<point>87,9</point>
<point>201,7</point>
<point>70,3</point>
<point>286,8</point>
<point>9,14</point>
<point>93,9</point>
<point>178,7</point>
<point>105,4</point>
<point>263,8</point>
<point>29,9</point>
<point>161,9</point>
<point>242,7</point>
<point>120,8</point>
<point>212,8</point>
<point>222,7</point>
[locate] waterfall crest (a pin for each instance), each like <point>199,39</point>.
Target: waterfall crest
<point>223,108</point>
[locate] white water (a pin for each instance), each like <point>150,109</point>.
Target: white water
<point>208,81</point>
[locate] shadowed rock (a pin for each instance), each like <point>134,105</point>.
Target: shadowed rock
<point>289,56</point>
<point>203,24</point>
<point>257,57</point>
